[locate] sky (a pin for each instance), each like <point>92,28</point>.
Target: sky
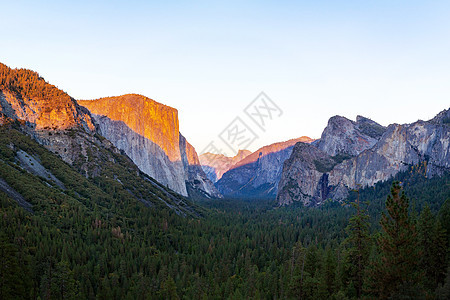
<point>385,60</point>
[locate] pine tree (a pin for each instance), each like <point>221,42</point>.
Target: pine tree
<point>432,238</point>
<point>443,290</point>
<point>67,286</point>
<point>297,269</point>
<point>359,241</point>
<point>169,289</point>
<point>329,272</point>
<point>396,274</point>
<point>11,278</point>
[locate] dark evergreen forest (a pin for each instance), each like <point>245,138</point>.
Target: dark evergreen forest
<point>95,241</point>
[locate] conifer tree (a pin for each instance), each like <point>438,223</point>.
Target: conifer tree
<point>433,244</point>
<point>11,283</point>
<point>358,240</point>
<point>297,270</point>
<point>169,289</point>
<point>397,271</point>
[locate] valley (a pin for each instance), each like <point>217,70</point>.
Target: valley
<point>106,199</point>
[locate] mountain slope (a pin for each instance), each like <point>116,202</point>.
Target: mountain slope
<point>303,178</point>
<point>25,96</point>
<point>117,181</point>
<point>197,183</point>
<point>54,120</point>
<point>258,174</point>
<point>424,145</point>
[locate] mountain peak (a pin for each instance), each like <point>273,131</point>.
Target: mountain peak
<point>148,132</point>
<point>148,118</point>
<point>26,96</point>
<point>242,153</point>
<point>258,174</point>
<point>215,165</point>
<point>442,118</point>
<point>344,136</point>
<point>275,147</point>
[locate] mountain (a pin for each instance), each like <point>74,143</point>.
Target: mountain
<point>148,132</point>
<point>49,115</point>
<point>258,174</point>
<point>312,176</point>
<point>197,183</point>
<point>346,137</point>
<point>25,96</point>
<point>50,148</point>
<point>303,175</point>
<point>215,165</point>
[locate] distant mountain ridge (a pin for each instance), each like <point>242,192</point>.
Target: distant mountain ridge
<point>215,165</point>
<point>258,174</point>
<point>349,156</point>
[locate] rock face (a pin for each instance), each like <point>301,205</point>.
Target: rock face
<point>46,113</point>
<point>148,132</point>
<point>257,175</point>
<point>398,148</point>
<point>148,118</point>
<point>27,97</point>
<point>196,180</point>
<point>146,154</point>
<point>344,136</point>
<point>303,178</point>
<point>215,165</point>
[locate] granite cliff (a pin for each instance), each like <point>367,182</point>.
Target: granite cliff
<point>148,132</point>
<point>346,137</point>
<point>258,174</point>
<point>398,148</point>
<point>197,183</point>
<point>32,108</point>
<point>304,175</point>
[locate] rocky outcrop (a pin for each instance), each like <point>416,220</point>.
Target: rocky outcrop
<point>441,118</point>
<point>146,154</point>
<point>26,96</point>
<point>48,114</point>
<point>346,137</point>
<point>303,176</point>
<point>145,130</point>
<point>257,175</point>
<point>196,180</point>
<point>400,147</point>
<point>215,165</point>
<point>33,165</point>
<point>154,121</point>
<point>148,132</point>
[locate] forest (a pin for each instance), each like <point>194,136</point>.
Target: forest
<point>94,241</point>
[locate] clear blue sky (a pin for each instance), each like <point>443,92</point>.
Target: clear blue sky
<point>387,60</point>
